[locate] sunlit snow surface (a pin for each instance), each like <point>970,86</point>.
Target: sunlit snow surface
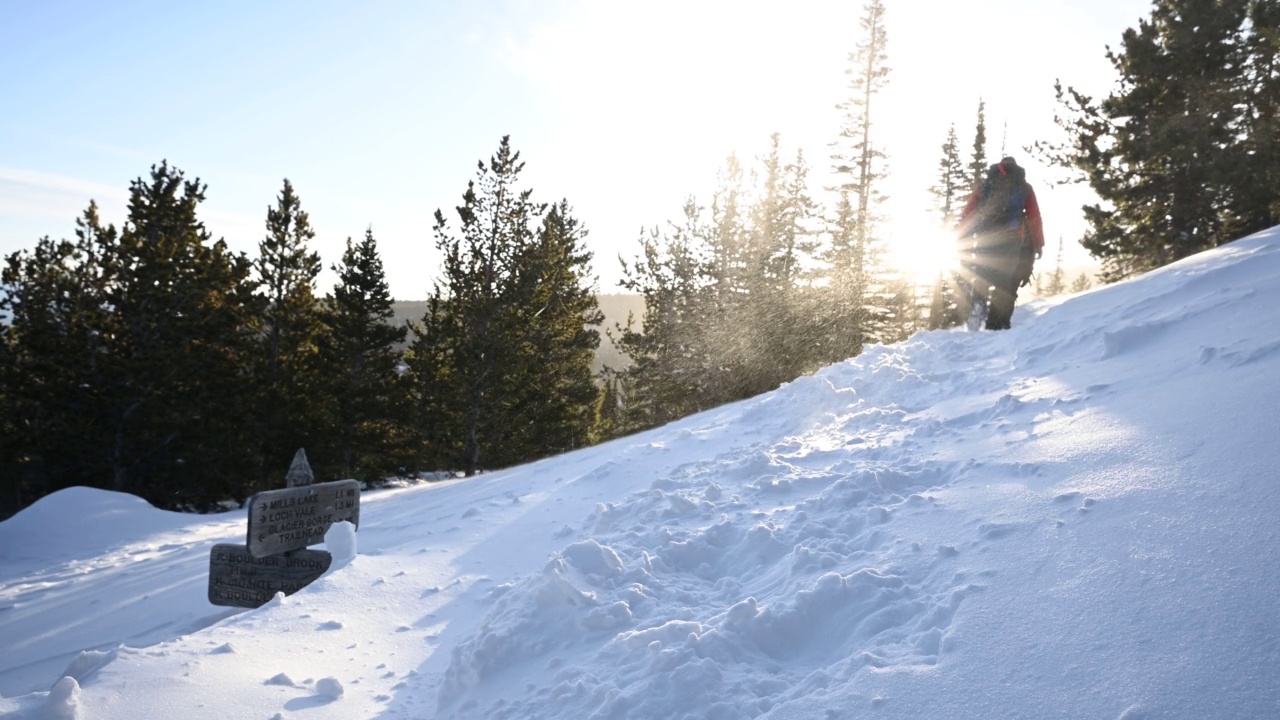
<point>1077,518</point>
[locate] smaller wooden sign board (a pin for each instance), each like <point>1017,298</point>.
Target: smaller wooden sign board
<point>238,579</point>
<point>293,518</point>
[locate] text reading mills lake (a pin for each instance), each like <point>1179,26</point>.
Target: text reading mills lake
<point>293,518</point>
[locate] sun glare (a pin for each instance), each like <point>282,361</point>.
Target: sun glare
<point>921,252</point>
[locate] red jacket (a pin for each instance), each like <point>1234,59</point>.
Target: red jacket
<point>1031,212</point>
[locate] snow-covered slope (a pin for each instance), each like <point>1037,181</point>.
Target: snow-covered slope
<point>1072,519</point>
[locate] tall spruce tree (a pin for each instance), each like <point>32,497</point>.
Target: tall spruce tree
<point>361,359</point>
<point>292,325</point>
<point>785,318</point>
<point>978,153</point>
<point>1255,163</point>
<point>729,307</point>
<point>434,389</point>
<point>504,353</point>
<point>55,375</point>
<point>954,180</point>
<point>953,185</point>
<point>182,312</point>
<point>1161,150</point>
<point>874,304</point>
<point>845,314</point>
<point>672,362</point>
<point>495,222</point>
<point>550,385</point>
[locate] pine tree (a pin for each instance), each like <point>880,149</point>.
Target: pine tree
<point>859,163</point>
<point>1081,283</point>
<point>182,310</point>
<point>1255,162</point>
<point>672,362</point>
<point>785,314</point>
<point>954,181</point>
<point>953,185</point>
<point>509,336</point>
<point>1159,150</point>
<point>361,360</point>
<point>978,157</point>
<point>1056,284</point>
<point>729,307</point>
<point>844,312</point>
<point>53,393</point>
<point>434,390</point>
<point>610,413</point>
<point>550,387</point>
<point>292,324</point>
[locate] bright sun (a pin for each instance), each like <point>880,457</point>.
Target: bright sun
<point>921,251</point>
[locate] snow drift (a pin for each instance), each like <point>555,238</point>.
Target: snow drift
<point>1074,518</point>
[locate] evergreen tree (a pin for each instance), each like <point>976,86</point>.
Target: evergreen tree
<point>978,158</point>
<point>847,260</point>
<point>434,389</point>
<point>504,354</point>
<point>182,310</point>
<point>1255,162</point>
<point>53,378</point>
<point>362,361</point>
<point>292,325</point>
<point>870,303</point>
<point>785,316</point>
<point>1160,150</point>
<point>550,386</point>
<point>671,357</point>
<point>610,410</point>
<point>1056,283</point>
<point>950,191</point>
<point>496,222</point>
<point>730,311</point>
<point>954,180</point>
<point>129,352</point>
<point>1081,283</point>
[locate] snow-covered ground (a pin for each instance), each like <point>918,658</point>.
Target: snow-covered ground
<point>1077,518</point>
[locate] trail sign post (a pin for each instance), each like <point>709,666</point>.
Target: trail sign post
<point>238,579</point>
<point>282,523</point>
<point>293,518</point>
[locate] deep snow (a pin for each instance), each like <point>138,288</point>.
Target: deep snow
<point>1072,519</point>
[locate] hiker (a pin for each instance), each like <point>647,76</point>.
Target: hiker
<point>1000,225</point>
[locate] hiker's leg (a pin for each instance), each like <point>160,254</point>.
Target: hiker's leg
<point>1004,293</point>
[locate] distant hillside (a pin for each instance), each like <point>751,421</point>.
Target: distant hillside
<point>615,308</point>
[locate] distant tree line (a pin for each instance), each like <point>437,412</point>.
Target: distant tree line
<point>150,359</point>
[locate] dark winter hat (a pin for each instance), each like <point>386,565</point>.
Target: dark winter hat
<point>1008,162</point>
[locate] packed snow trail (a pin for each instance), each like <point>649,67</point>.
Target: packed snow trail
<point>1073,518</point>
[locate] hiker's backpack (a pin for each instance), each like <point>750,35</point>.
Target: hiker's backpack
<point>1001,200</point>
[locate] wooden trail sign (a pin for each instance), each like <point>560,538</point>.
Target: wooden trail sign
<point>293,518</point>
<point>238,579</point>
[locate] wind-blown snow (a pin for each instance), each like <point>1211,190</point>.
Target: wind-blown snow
<point>1075,518</point>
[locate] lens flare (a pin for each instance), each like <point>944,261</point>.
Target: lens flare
<point>923,252</point>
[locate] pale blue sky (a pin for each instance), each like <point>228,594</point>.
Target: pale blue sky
<point>378,111</point>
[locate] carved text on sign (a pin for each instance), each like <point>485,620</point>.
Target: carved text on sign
<point>238,579</point>
<point>293,518</point>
